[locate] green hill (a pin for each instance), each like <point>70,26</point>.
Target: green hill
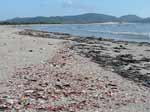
<point>77,19</point>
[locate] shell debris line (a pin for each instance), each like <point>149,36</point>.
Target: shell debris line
<point>84,75</point>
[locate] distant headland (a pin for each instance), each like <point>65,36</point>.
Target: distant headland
<point>77,19</point>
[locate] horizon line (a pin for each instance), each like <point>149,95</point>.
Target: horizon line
<point>75,15</point>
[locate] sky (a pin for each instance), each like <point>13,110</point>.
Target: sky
<point>31,8</point>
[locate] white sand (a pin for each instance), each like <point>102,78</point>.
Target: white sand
<point>15,50</point>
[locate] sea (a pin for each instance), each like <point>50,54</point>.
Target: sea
<point>137,32</point>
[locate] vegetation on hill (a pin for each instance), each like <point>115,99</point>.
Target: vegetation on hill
<point>78,19</point>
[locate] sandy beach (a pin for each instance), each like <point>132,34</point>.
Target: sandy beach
<point>21,51</point>
<point>56,72</point>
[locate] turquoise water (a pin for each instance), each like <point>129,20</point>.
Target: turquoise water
<point>119,31</point>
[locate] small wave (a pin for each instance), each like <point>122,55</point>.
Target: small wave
<point>122,33</point>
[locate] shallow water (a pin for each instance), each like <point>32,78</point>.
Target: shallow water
<point>120,31</point>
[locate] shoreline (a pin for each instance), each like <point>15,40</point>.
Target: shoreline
<point>82,74</point>
<point>90,37</point>
<point>87,47</point>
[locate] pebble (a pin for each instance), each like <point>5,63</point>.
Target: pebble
<point>30,50</point>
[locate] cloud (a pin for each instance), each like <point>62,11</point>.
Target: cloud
<point>67,3</point>
<point>77,5</point>
<point>44,3</point>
